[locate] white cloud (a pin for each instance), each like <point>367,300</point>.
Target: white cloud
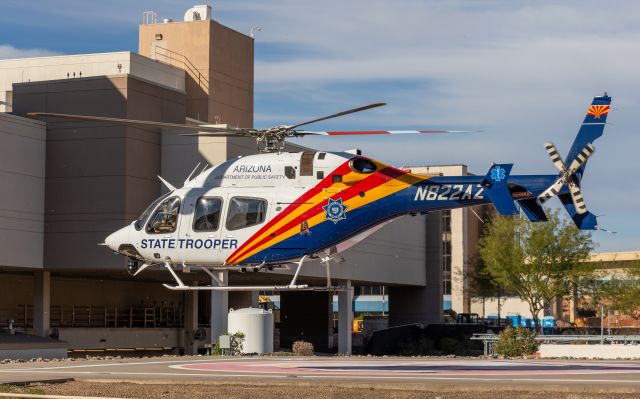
<point>8,51</point>
<point>522,72</point>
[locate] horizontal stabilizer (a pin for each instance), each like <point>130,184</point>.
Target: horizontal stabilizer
<point>496,189</point>
<point>533,210</point>
<point>584,221</point>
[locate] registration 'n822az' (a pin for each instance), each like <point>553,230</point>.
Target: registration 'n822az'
<point>449,192</point>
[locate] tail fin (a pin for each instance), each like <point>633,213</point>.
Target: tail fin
<point>572,169</point>
<point>592,128</point>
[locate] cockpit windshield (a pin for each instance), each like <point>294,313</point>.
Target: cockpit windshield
<point>143,217</point>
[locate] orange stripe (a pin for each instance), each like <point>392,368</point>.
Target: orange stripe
<point>316,208</point>
<point>381,184</point>
<point>298,203</point>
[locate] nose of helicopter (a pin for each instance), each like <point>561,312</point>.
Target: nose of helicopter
<point>117,238</point>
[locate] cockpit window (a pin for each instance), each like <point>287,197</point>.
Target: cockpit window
<point>362,165</point>
<point>165,218</point>
<point>245,212</point>
<point>143,217</point>
<point>207,214</point>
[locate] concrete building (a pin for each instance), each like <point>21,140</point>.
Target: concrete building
<point>22,173</point>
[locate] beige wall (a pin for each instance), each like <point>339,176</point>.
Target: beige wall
<point>218,62</point>
<point>219,65</point>
<point>22,178</point>
<point>99,177</point>
<point>509,305</point>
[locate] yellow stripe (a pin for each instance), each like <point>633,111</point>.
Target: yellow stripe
<point>354,203</point>
<point>301,209</point>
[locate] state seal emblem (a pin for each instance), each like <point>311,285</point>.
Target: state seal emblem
<point>335,210</point>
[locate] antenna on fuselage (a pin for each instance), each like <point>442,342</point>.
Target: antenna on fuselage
<point>191,174</point>
<point>168,185</point>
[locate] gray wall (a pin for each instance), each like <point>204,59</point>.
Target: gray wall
<point>22,177</point>
<point>422,304</point>
<point>99,177</point>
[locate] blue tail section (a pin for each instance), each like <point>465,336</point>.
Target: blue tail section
<point>591,129</point>
<point>585,221</point>
<point>497,190</point>
<point>533,210</point>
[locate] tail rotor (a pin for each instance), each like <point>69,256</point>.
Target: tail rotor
<point>567,176</point>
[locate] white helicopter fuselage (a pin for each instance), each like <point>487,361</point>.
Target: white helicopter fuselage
<point>272,181</point>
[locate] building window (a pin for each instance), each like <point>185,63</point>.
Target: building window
<point>245,212</point>
<point>446,287</point>
<point>165,218</point>
<point>207,214</point>
<point>446,256</point>
<point>446,221</point>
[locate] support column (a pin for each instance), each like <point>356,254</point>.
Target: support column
<point>255,299</point>
<point>191,323</point>
<point>219,306</point>
<point>41,303</point>
<point>345,319</point>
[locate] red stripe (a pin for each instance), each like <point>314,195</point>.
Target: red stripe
<point>324,183</point>
<point>358,132</point>
<point>370,182</point>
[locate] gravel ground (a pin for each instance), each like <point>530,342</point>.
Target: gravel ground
<point>294,390</point>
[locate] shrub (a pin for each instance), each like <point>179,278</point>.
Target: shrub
<point>302,348</point>
<point>516,342</point>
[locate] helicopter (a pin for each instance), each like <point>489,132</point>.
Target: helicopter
<point>277,209</point>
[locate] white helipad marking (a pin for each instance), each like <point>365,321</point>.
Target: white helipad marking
<point>353,368</point>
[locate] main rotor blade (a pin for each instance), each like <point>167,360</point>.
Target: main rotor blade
<point>224,132</point>
<point>555,156</point>
<point>347,112</point>
<point>550,192</point>
<point>365,132</point>
<point>582,157</point>
<point>578,199</point>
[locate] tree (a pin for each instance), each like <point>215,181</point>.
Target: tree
<point>484,285</point>
<point>536,261</point>
<point>621,291</point>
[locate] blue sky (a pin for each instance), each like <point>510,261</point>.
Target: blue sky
<point>523,72</point>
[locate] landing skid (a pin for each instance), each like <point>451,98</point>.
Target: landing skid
<point>220,287</point>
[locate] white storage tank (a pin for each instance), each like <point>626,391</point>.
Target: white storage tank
<point>257,327</point>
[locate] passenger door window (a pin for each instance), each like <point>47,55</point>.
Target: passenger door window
<point>245,212</point>
<point>207,214</point>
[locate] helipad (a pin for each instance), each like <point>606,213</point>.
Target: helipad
<point>341,370</point>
